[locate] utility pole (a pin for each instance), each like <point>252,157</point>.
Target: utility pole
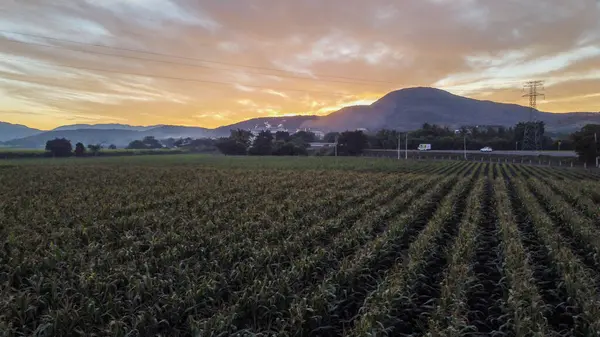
<point>406,145</point>
<point>531,136</point>
<point>465,145</point>
<point>398,146</point>
<point>336,144</point>
<point>596,147</point>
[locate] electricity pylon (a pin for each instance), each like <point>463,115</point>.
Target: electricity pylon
<point>532,135</point>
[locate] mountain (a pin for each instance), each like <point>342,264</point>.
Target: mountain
<point>104,127</point>
<point>86,136</point>
<point>118,137</point>
<point>405,109</point>
<point>173,131</point>
<point>408,109</point>
<point>12,131</point>
<point>122,135</point>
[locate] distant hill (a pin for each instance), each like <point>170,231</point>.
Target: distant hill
<point>408,109</point>
<point>120,138</point>
<point>405,109</point>
<point>87,136</point>
<point>123,136</point>
<point>10,131</point>
<point>173,131</point>
<point>105,127</point>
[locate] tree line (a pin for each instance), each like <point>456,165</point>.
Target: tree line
<point>61,147</point>
<point>584,141</point>
<point>352,143</point>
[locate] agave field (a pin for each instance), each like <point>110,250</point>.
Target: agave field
<point>417,249</point>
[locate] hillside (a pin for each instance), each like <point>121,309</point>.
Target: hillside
<point>405,109</point>
<point>408,109</point>
<point>173,131</point>
<point>86,136</point>
<point>121,135</point>
<point>112,126</point>
<point>10,131</point>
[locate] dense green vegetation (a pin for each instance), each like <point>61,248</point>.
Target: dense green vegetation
<point>220,246</point>
<point>349,143</point>
<point>10,153</point>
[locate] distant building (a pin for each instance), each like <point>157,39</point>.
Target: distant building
<point>319,134</point>
<point>318,145</point>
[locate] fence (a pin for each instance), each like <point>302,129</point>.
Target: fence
<point>487,158</point>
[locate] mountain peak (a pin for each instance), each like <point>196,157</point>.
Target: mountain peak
<point>418,92</point>
<point>409,108</point>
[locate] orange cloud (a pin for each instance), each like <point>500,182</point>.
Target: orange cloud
<point>284,57</point>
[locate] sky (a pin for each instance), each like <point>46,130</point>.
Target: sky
<point>215,62</point>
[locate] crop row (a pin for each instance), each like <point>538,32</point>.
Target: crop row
<point>437,249</point>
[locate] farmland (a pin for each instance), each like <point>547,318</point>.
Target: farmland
<point>198,246</point>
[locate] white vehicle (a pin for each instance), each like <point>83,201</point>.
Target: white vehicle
<point>486,149</point>
<point>424,147</point>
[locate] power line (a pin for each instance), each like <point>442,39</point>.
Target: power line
<point>185,79</point>
<point>186,57</point>
<point>174,78</point>
<point>180,63</point>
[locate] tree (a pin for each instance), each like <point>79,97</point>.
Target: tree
<point>151,143</point>
<point>182,142</point>
<point>137,145</point>
<point>282,136</point>
<point>330,137</point>
<point>236,144</point>
<point>59,147</point>
<point>94,148</point>
<point>304,136</point>
<point>112,147</point>
<point>303,139</point>
<point>352,143</point>
<point>196,145</point>
<point>170,142</point>
<point>386,139</point>
<point>241,136</point>
<point>79,150</point>
<point>585,142</point>
<point>281,148</point>
<point>230,146</point>
<point>262,145</point>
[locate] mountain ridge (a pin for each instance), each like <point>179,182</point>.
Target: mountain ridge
<point>404,110</point>
<point>407,109</point>
<point>105,126</point>
<point>10,131</point>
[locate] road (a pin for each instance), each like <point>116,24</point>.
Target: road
<point>563,154</point>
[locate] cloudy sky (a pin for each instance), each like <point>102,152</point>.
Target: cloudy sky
<point>215,62</point>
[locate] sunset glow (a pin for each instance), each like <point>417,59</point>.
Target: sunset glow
<point>212,63</point>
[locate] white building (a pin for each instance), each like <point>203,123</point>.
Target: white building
<point>321,145</point>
